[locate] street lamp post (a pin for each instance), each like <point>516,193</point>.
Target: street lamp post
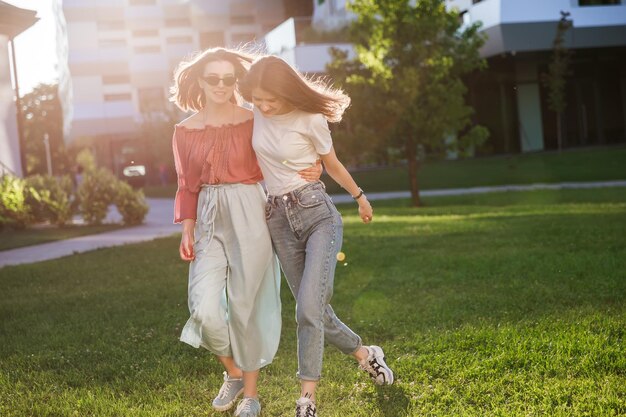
<point>46,142</point>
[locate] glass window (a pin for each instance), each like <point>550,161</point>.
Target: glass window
<point>111,25</point>
<point>238,38</point>
<point>184,22</point>
<point>118,97</point>
<point>211,39</point>
<point>598,2</point>
<point>145,33</point>
<point>242,20</point>
<point>180,39</point>
<point>116,79</point>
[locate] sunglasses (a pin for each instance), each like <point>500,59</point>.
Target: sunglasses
<point>214,80</point>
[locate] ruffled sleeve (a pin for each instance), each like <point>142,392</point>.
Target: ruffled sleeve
<point>186,201</point>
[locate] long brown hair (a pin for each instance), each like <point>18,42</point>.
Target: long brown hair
<point>186,93</point>
<point>280,79</point>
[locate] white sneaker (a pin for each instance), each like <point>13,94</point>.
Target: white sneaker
<point>376,367</point>
<point>230,390</point>
<point>305,407</point>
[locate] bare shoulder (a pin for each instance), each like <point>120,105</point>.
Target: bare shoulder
<point>243,115</point>
<point>193,122</point>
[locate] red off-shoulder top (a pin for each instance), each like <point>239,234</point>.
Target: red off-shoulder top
<point>213,155</point>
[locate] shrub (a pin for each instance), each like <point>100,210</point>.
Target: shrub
<point>130,203</point>
<point>49,198</point>
<point>13,209</point>
<point>95,193</point>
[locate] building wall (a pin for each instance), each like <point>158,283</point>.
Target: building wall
<point>10,162</point>
<point>122,54</point>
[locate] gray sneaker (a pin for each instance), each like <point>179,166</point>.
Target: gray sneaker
<point>305,407</point>
<point>376,367</point>
<point>248,407</point>
<point>230,390</point>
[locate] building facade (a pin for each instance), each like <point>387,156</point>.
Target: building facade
<point>509,97</point>
<point>122,54</point>
<point>13,21</point>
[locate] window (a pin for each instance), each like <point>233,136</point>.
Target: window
<point>180,39</point>
<point>598,2</point>
<point>111,25</point>
<point>116,79</point>
<point>143,33</point>
<point>147,49</point>
<point>238,38</point>
<point>242,20</point>
<point>465,18</point>
<point>179,22</point>
<point>117,97</point>
<point>476,1</point>
<point>211,39</point>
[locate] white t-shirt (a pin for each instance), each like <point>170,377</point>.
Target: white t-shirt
<point>287,143</point>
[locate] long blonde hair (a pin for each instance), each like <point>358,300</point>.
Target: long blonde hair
<point>280,79</point>
<point>187,94</point>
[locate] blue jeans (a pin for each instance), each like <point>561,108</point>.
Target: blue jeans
<point>307,233</point>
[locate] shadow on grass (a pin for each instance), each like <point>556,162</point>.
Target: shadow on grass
<point>391,401</point>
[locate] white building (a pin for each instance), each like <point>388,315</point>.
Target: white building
<point>13,21</point>
<point>122,54</point>
<point>508,97</point>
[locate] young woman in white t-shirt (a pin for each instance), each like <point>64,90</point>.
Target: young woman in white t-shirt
<point>291,115</point>
<point>234,279</point>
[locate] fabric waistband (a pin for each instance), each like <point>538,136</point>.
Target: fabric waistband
<point>295,194</point>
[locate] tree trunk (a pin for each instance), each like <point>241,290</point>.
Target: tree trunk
<point>411,154</point>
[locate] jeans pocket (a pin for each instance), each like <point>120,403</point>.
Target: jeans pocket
<point>312,198</point>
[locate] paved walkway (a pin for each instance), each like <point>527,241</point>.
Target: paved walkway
<point>159,221</point>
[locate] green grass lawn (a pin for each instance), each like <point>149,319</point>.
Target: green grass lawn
<point>11,239</point>
<point>507,304</point>
<point>595,164</point>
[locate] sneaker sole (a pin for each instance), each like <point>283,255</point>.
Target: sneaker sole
<point>384,363</point>
<point>230,404</point>
<point>390,380</point>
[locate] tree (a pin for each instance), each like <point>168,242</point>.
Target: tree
<point>42,115</point>
<point>558,70</point>
<point>411,57</point>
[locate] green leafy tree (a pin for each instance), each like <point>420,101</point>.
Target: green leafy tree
<point>558,70</point>
<point>411,59</point>
<point>42,115</point>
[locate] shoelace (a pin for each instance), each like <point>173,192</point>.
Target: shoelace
<point>373,367</point>
<point>225,389</point>
<point>246,405</point>
<point>309,411</point>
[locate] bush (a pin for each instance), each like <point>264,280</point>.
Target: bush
<point>13,209</point>
<point>49,198</point>
<point>130,203</point>
<point>96,192</point>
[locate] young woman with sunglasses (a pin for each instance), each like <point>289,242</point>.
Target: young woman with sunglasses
<point>291,115</point>
<point>234,276</point>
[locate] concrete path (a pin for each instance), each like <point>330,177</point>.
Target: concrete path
<point>159,221</point>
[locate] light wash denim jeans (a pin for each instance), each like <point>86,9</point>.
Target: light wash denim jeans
<point>307,233</point>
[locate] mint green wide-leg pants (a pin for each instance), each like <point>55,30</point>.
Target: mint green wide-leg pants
<point>234,281</point>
